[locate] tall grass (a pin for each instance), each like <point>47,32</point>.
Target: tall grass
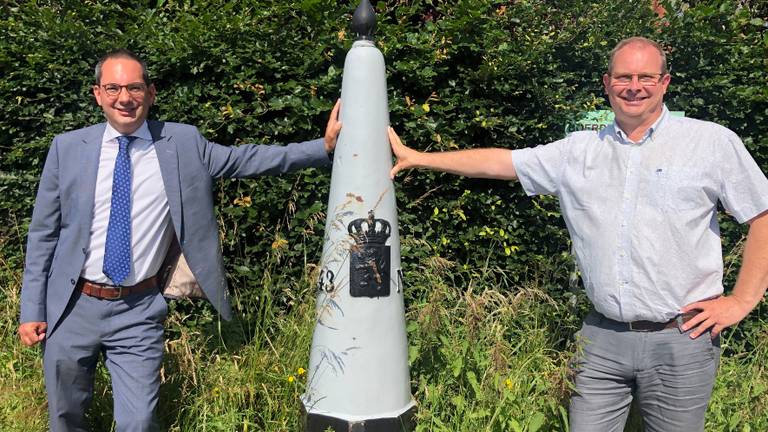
<point>484,356</point>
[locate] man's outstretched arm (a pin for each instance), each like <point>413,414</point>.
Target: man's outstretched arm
<point>494,163</point>
<point>252,160</point>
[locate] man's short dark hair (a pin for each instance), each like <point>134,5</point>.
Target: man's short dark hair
<point>122,53</point>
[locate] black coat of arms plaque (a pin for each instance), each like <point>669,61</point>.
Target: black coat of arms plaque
<point>369,257</point>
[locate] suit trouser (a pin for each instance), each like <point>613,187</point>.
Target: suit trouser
<point>129,334</point>
<point>670,374</point>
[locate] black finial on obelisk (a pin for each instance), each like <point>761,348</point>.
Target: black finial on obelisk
<point>364,21</point>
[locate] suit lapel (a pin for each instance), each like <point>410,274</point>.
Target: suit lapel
<point>88,162</point>
<point>167,157</point>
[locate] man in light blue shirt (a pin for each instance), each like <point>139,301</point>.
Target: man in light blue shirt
<point>640,202</point>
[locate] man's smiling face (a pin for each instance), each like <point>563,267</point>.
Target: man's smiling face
<point>124,111</point>
<point>635,102</point>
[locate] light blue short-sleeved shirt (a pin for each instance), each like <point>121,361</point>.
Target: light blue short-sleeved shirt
<point>642,216</point>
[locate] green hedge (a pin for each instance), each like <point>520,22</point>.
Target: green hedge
<point>461,74</point>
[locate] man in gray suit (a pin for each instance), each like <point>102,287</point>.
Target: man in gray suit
<point>112,198</point>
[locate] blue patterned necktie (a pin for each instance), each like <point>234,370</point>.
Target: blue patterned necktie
<point>117,251</point>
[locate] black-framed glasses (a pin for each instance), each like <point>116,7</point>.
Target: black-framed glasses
<point>136,89</point>
<point>645,79</point>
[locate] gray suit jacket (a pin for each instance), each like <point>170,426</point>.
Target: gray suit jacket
<point>61,221</point>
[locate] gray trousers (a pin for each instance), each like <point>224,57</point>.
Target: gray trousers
<point>670,374</point>
<point>129,334</point>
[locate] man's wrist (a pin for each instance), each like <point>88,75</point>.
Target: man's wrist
<point>746,302</point>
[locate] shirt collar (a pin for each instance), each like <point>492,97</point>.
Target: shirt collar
<point>142,132</point>
<point>648,134</point>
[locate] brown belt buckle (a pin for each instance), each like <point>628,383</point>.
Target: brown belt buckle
<point>115,292</point>
<point>633,328</point>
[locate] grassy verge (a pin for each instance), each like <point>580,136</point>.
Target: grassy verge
<point>481,360</point>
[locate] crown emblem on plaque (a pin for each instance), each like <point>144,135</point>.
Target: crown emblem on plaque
<point>369,230</point>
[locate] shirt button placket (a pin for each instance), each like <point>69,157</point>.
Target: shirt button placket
<point>624,265</point>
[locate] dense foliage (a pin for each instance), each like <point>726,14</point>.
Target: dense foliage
<point>461,74</point>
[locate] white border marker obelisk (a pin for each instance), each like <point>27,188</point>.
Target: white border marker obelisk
<point>358,378</point>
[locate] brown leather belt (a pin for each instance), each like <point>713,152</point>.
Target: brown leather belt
<point>649,326</point>
<point>114,292</point>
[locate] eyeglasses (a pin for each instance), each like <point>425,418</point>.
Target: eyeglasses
<point>136,89</point>
<point>645,79</point>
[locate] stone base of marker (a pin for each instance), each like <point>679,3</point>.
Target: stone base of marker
<point>404,422</point>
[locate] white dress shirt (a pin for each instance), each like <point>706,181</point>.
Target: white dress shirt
<point>643,216</point>
<point>151,229</point>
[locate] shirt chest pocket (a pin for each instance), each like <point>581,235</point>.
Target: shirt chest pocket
<point>679,188</point>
